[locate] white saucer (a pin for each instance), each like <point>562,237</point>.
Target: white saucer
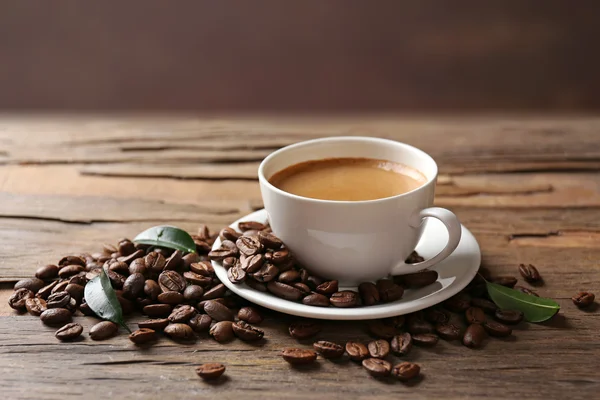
<point>455,272</point>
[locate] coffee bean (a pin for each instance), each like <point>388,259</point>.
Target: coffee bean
<point>250,315</point>
<point>247,332</point>
<point>229,234</point>
<point>475,315</point>
<point>436,316</point>
<point>458,303</point>
<point>414,258</point>
<point>35,306</point>
<point>299,356</point>
<point>47,272</point>
<point>202,247</point>
<point>204,232</point>
<point>448,331</point>
<point>189,259</point>
<point>327,288</point>
<point>486,305</point>
<point>285,291</point>
<point>474,336</point>
<point>381,330</point>
<point>142,335</point>
<point>155,263</point>
<point>210,371</point>
<point>290,276</point>
<point>303,288</point>
<point>200,323</point>
<point>529,273</point>
<point>138,266</point>
<point>75,291</point>
<point>221,253</point>
<point>328,349</point>
<point>60,287</point>
<point>151,289</point>
<point>401,344</point>
<point>70,270</point>
<point>406,371</point>
<point>526,291</point>
<point>222,331</point>
<point>172,298</point>
<point>508,281</point>
<point>304,329</point>
<point>155,324</point>
<point>103,330</point>
<point>377,367</point>
<point>316,300</point>
<point>281,257</point>
<point>79,279</point>
<point>134,285</point>
<point>182,313</point>
<point>203,268</point>
<point>58,300</point>
<point>249,245</point>
<point>511,317</point>
<point>236,274</point>
<point>344,299</point>
<point>55,316</point>
<point>216,292</point>
<point>583,299</point>
<point>33,284</point>
<point>134,256</point>
<point>157,310</point>
<point>44,292</point>
<point>179,332</point>
<point>251,225</point>
<point>19,297</point>
<point>269,241</point>
<point>85,309</point>
<point>218,311</point>
<point>171,281</point>
<point>229,262</point>
<point>368,293</point>
<point>425,339</point>
<point>92,273</point>
<point>197,279</point>
<point>259,286</point>
<point>379,348</point>
<point>119,267</point>
<point>71,260</point>
<point>416,325</point>
<point>126,247</point>
<point>497,329</point>
<point>193,293</point>
<point>420,279</point>
<point>266,273</point>
<point>69,332</point>
<point>117,280</point>
<point>357,351</point>
<point>389,291</point>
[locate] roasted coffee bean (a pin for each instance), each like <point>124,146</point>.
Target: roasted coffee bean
<point>269,240</point>
<point>44,292</point>
<point>138,266</point>
<point>60,287</point>
<point>448,331</point>
<point>229,262</point>
<point>508,281</point>
<point>583,299</point>
<point>179,332</point>
<point>157,324</point>
<point>182,313</point>
<point>529,273</point>
<point>312,281</point>
<point>327,288</point>
<point>85,309</point>
<point>414,258</point>
<point>299,356</point>
<point>69,332</point>
<point>285,291</point>
<point>475,315</point>
<point>379,348</point>
<point>33,284</point>
<point>157,310</point>
<point>229,234</point>
<point>35,306</point>
<point>368,293</point>
<point>18,299</point>
<point>155,262</point>
<point>221,254</point>
<point>344,299</point>
<point>119,267</point>
<point>236,274</point>
<point>259,286</point>
<point>304,329</point>
<point>210,371</point>
<point>202,247</point>
<point>474,336</point>
<point>142,335</point>
<point>58,300</point>
<point>126,304</point>
<point>134,285</point>
<point>142,302</point>
<point>389,291</point>
<point>247,332</point>
<point>458,303</point>
<point>215,292</point>
<point>328,349</point>
<point>171,281</point>
<point>416,325</point>
<point>406,371</point>
<point>526,291</point>
<point>71,260</point>
<point>401,344</point>
<point>511,317</point>
<point>172,298</point>
<point>55,316</point>
<point>189,259</point>
<point>420,279</point>
<point>203,268</point>
<point>290,277</point>
<point>486,305</point>
<point>436,316</point>
<point>251,232</point>
<point>377,367</point>
<point>203,233</point>
<point>280,257</point>
<point>200,323</point>
<point>249,245</point>
<point>218,311</point>
<point>197,279</point>
<point>134,256</point>
<point>396,322</point>
<point>357,351</point>
<point>193,293</point>
<point>151,289</point>
<point>79,279</point>
<point>47,272</point>
<point>266,273</point>
<point>250,315</point>
<point>316,300</point>
<point>117,280</point>
<point>126,247</point>
<point>109,248</point>
<point>70,270</point>
<point>497,329</point>
<point>303,288</point>
<point>251,225</point>
<point>425,339</point>
<point>92,273</point>
<point>222,331</point>
<point>379,329</point>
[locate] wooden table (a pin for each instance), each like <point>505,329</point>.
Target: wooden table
<point>528,188</point>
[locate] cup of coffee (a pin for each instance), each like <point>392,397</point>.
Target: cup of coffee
<point>353,208</point>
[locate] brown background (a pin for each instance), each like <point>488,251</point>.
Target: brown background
<point>300,55</point>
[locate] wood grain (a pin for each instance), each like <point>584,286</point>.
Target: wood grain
<point>528,188</point>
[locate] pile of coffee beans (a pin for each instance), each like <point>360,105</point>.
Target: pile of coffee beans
<point>261,260</point>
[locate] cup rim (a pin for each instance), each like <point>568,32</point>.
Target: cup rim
<point>264,181</point>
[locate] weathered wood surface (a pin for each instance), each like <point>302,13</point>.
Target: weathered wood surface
<point>529,189</point>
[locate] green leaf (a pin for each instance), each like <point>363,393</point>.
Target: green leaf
<point>167,236</point>
<point>102,300</point>
<point>535,309</point>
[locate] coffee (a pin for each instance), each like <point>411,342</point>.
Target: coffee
<point>348,179</point>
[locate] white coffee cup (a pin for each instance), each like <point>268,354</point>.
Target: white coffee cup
<point>355,241</point>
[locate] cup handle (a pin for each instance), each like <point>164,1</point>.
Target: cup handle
<point>454,233</point>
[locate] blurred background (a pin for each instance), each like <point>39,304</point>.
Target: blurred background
<point>300,56</point>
